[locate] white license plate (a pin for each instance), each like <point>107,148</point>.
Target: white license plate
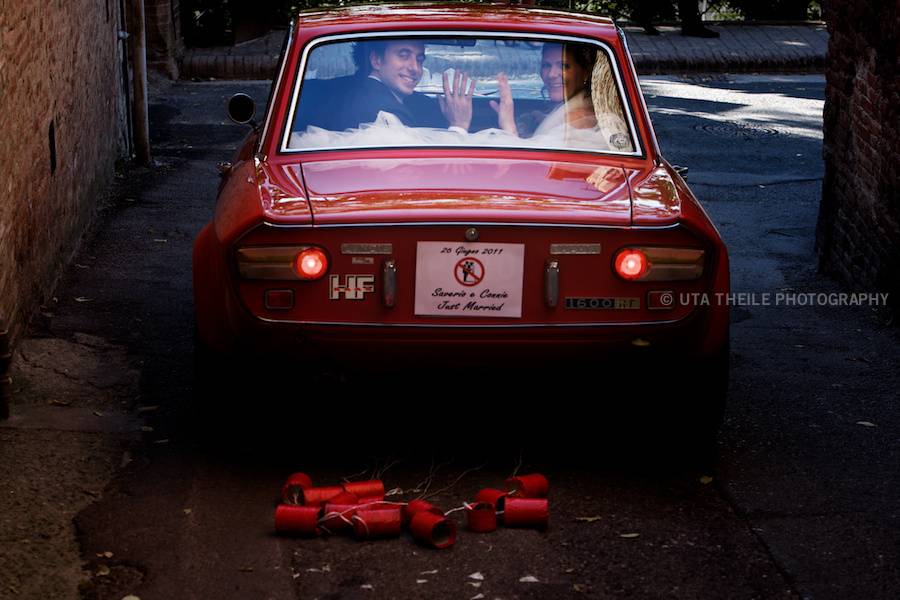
<point>469,279</point>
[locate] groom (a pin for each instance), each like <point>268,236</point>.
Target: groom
<point>387,73</point>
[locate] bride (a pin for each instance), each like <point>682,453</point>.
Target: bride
<point>587,109</point>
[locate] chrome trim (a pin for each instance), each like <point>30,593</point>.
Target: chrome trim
<point>270,109</point>
<point>441,326</point>
<point>551,283</point>
<point>301,68</point>
<point>367,248</point>
<point>575,249</point>
<point>480,224</point>
<point>471,234</point>
<point>389,282</point>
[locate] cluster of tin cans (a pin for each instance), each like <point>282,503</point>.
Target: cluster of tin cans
<point>360,508</point>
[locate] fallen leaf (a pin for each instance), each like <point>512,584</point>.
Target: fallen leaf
<point>421,581</point>
<point>296,575</point>
<point>432,572</point>
<point>102,571</point>
<point>706,480</point>
<point>477,597</point>
<point>528,579</point>
<point>147,429</point>
<point>588,519</point>
<point>367,586</point>
<point>161,442</point>
<point>83,299</point>
<point>188,511</point>
<point>570,570</point>
<point>580,589</point>
<point>160,241</point>
<point>97,413</point>
<point>474,584</point>
<point>629,535</point>
<point>477,575</point>
<point>866,424</point>
<point>106,554</point>
<point>245,569</point>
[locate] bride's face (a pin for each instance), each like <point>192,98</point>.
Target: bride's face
<point>563,77</point>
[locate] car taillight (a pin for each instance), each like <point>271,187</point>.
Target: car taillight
<point>311,264</point>
<point>282,262</point>
<point>659,264</point>
<point>631,264</point>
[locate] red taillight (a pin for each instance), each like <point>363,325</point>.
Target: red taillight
<point>631,263</point>
<point>311,264</point>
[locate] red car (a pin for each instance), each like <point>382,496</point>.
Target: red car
<point>467,183</point>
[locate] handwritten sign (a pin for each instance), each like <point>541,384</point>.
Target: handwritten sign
<point>469,279</point>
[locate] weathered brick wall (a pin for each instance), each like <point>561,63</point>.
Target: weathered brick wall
<point>164,42</point>
<point>59,69</point>
<point>858,237</point>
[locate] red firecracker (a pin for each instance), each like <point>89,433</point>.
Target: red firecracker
<point>338,517</point>
<point>299,520</point>
<point>378,523</point>
<point>534,485</point>
<point>433,530</point>
<point>526,512</point>
<point>373,488</point>
<point>290,492</point>
<point>496,498</point>
<point>316,496</point>
<point>417,506</point>
<point>345,498</point>
<point>481,517</point>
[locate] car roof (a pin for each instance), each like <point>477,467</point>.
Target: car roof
<point>462,16</point>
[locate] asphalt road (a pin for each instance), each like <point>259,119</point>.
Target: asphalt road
<point>801,500</point>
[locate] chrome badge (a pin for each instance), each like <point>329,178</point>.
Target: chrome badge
<point>355,288</point>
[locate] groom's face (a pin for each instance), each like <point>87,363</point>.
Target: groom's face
<point>400,67</point>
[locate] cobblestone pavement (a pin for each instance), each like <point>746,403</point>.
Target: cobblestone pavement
<point>799,47</point>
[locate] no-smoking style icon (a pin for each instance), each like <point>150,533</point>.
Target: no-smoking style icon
<point>469,271</point>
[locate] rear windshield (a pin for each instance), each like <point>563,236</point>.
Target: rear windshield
<point>464,91</point>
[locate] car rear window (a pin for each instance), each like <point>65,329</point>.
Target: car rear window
<point>488,91</point>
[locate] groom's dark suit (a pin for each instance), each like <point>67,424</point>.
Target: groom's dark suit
<point>368,96</point>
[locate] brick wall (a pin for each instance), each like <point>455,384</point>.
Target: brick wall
<point>858,235</point>
<point>58,69</point>
<point>164,42</point>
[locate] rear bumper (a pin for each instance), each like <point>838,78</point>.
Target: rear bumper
<point>365,345</point>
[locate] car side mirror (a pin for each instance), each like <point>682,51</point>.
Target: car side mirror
<point>683,171</point>
<point>241,109</point>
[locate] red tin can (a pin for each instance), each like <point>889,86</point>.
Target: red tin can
<point>316,496</point>
<point>496,498</point>
<point>534,485</point>
<point>301,520</point>
<point>376,523</point>
<point>290,491</point>
<point>481,517</point>
<point>417,506</point>
<point>338,517</point>
<point>373,488</point>
<point>526,512</point>
<point>436,531</point>
<point>345,498</point>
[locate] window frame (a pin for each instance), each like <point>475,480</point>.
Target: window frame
<point>299,76</point>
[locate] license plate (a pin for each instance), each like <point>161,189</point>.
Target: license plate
<point>469,279</point>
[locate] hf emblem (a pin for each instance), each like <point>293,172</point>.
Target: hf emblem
<point>356,287</point>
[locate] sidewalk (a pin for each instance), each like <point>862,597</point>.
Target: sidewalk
<point>742,48</point>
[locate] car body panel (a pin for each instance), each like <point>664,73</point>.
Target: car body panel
<point>402,198</point>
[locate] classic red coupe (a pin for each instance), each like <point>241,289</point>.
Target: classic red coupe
<point>457,183</point>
